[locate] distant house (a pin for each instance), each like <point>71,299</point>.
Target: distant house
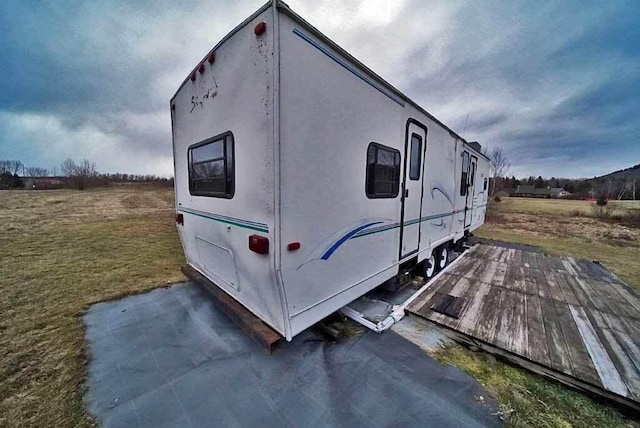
<point>524,191</point>
<point>558,192</point>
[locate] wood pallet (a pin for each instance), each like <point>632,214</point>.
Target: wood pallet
<point>568,319</point>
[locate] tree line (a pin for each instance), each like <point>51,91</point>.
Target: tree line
<point>611,187</point>
<point>623,184</point>
<point>79,175</point>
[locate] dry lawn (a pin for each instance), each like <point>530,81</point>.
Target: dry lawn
<point>556,227</point>
<point>62,251</point>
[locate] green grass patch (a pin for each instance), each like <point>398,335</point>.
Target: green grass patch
<point>528,400</point>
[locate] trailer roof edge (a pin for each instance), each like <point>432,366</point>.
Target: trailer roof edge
<point>286,9</point>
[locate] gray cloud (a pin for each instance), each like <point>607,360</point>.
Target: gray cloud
<point>555,84</point>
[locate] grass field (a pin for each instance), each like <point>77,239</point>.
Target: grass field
<point>64,250</point>
<point>61,251</point>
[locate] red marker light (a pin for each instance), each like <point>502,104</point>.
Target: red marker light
<point>259,244</point>
<point>193,76</point>
<point>212,57</point>
<point>201,68</point>
<point>180,218</point>
<point>292,246</point>
<point>260,29</point>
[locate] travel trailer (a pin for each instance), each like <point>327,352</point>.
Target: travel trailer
<point>304,180</point>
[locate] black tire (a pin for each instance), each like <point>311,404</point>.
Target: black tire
<point>443,256</point>
<point>429,267</point>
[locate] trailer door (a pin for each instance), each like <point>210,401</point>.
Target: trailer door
<point>411,197</point>
<point>468,210</point>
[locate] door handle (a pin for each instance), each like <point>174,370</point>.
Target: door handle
<point>406,193</point>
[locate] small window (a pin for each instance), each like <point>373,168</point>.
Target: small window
<point>211,167</point>
<point>485,184</point>
<point>472,176</point>
<point>465,173</point>
<point>416,157</point>
<point>383,171</point>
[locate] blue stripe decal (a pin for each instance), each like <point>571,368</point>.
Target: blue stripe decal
<point>260,227</point>
<point>343,64</point>
<point>342,240</point>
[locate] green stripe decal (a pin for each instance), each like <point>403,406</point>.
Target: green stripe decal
<point>259,227</point>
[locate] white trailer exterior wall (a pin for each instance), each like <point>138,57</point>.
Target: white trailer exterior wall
<point>303,114</point>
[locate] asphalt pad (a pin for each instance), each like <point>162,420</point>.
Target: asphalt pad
<point>171,358</point>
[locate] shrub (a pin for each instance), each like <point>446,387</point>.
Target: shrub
<point>601,211</point>
<point>497,199</point>
<point>602,200</point>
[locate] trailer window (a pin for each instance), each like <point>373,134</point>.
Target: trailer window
<point>211,167</point>
<point>383,171</point>
<point>465,174</point>
<point>416,157</point>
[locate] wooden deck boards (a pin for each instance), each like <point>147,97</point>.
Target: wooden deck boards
<point>569,319</point>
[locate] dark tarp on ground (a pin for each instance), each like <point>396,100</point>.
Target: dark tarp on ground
<point>172,358</point>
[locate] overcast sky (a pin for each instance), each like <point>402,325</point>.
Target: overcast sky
<point>556,84</point>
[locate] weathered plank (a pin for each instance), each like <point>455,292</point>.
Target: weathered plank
<point>580,360</point>
<point>518,336</point>
<point>537,349</point>
<point>558,348</point>
<point>554,289</point>
<point>514,279</point>
<point>609,375</point>
<point>565,288</point>
<point>530,283</point>
<point>504,255</point>
<point>616,350</point>
<point>593,298</point>
<point>504,317</point>
<point>489,271</point>
<point>612,299</point>
<point>541,283</point>
<point>499,274</point>
<point>568,267</point>
<point>488,315</point>
<point>517,257</point>
<point>469,318</point>
<point>628,295</point>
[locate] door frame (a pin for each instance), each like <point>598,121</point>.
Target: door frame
<point>468,212</point>
<point>407,138</point>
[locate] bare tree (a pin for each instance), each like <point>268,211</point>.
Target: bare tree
<point>500,165</point>
<point>34,171</point>
<point>10,166</point>
<point>79,174</point>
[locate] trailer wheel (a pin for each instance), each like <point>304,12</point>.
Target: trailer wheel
<point>443,257</point>
<point>429,267</point>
